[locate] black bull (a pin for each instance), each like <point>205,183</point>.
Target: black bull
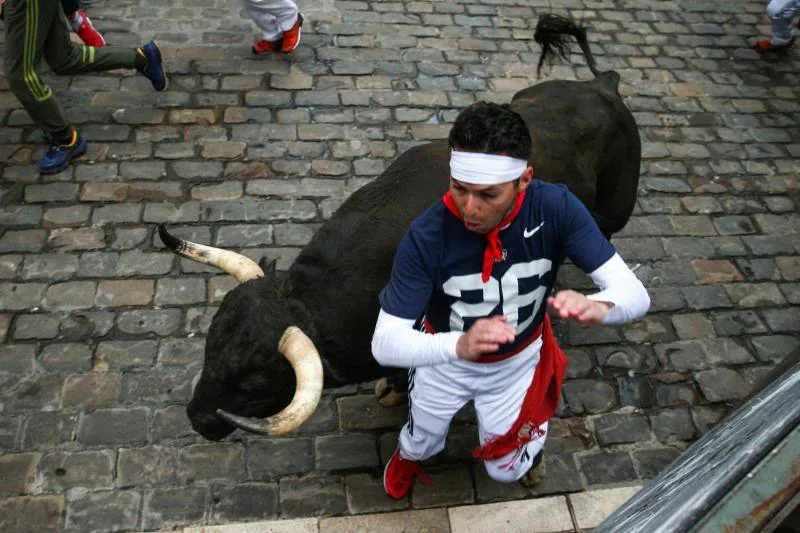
<point>583,136</point>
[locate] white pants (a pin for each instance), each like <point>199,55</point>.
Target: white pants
<point>273,16</point>
<point>782,13</point>
<point>437,392</point>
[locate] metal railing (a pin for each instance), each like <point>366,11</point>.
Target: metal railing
<point>741,476</point>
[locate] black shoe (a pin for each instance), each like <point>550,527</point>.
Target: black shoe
<point>59,156</point>
<point>154,71</point>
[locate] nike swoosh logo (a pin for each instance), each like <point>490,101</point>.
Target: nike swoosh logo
<point>527,234</point>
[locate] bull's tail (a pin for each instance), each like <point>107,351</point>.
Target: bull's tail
<point>552,32</point>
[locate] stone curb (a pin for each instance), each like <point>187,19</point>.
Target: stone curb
<point>578,511</point>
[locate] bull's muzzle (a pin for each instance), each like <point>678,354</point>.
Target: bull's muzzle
<point>304,358</point>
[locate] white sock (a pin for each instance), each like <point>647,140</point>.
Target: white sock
<point>76,21</point>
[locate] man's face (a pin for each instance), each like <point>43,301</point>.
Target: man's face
<point>483,206</point>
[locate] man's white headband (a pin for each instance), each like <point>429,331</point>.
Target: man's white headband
<point>485,169</point>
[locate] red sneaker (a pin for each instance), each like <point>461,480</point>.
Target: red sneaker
<point>399,474</point>
<point>87,33</point>
<point>291,37</point>
<point>765,45</point>
<point>264,47</point>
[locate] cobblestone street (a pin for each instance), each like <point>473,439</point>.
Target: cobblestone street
<point>102,330</point>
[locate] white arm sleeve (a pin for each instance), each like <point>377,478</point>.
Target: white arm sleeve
<point>396,343</point>
<point>620,286</point>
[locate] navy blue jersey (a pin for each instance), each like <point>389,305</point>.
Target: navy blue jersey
<point>437,268</point>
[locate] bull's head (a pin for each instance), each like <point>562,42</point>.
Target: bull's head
<point>255,341</point>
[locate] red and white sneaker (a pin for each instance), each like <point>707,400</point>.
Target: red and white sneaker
<point>765,45</point>
<point>399,475</point>
<point>291,37</point>
<point>87,33</point>
<point>264,46</point>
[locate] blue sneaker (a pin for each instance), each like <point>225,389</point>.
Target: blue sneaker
<point>154,71</point>
<point>59,156</point>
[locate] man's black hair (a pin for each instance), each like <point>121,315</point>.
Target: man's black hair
<point>491,129</point>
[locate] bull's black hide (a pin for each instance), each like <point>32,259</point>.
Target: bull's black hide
<point>583,136</point>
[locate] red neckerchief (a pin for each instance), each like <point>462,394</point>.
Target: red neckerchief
<point>494,250</point>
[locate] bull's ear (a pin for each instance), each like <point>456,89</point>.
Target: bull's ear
<point>268,265</point>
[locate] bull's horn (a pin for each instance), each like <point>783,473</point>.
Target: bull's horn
<point>304,357</point>
<point>240,267</point>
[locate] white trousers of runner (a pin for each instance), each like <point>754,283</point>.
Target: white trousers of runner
<point>437,392</point>
<point>782,13</point>
<point>273,17</point>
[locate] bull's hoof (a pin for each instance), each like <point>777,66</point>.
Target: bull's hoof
<point>535,475</point>
<point>386,395</point>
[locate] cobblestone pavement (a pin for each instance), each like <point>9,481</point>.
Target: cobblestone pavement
<point>102,330</point>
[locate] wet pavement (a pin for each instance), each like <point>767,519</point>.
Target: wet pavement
<point>102,330</point>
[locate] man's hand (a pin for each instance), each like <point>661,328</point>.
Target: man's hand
<point>485,336</point>
<point>571,304</point>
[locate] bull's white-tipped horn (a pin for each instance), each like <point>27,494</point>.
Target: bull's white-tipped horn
<point>304,358</point>
<point>240,267</point>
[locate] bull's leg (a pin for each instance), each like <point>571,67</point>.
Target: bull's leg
<point>399,382</point>
<point>536,474</point>
<point>392,390</point>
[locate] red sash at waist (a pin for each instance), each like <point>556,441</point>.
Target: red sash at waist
<point>493,358</point>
